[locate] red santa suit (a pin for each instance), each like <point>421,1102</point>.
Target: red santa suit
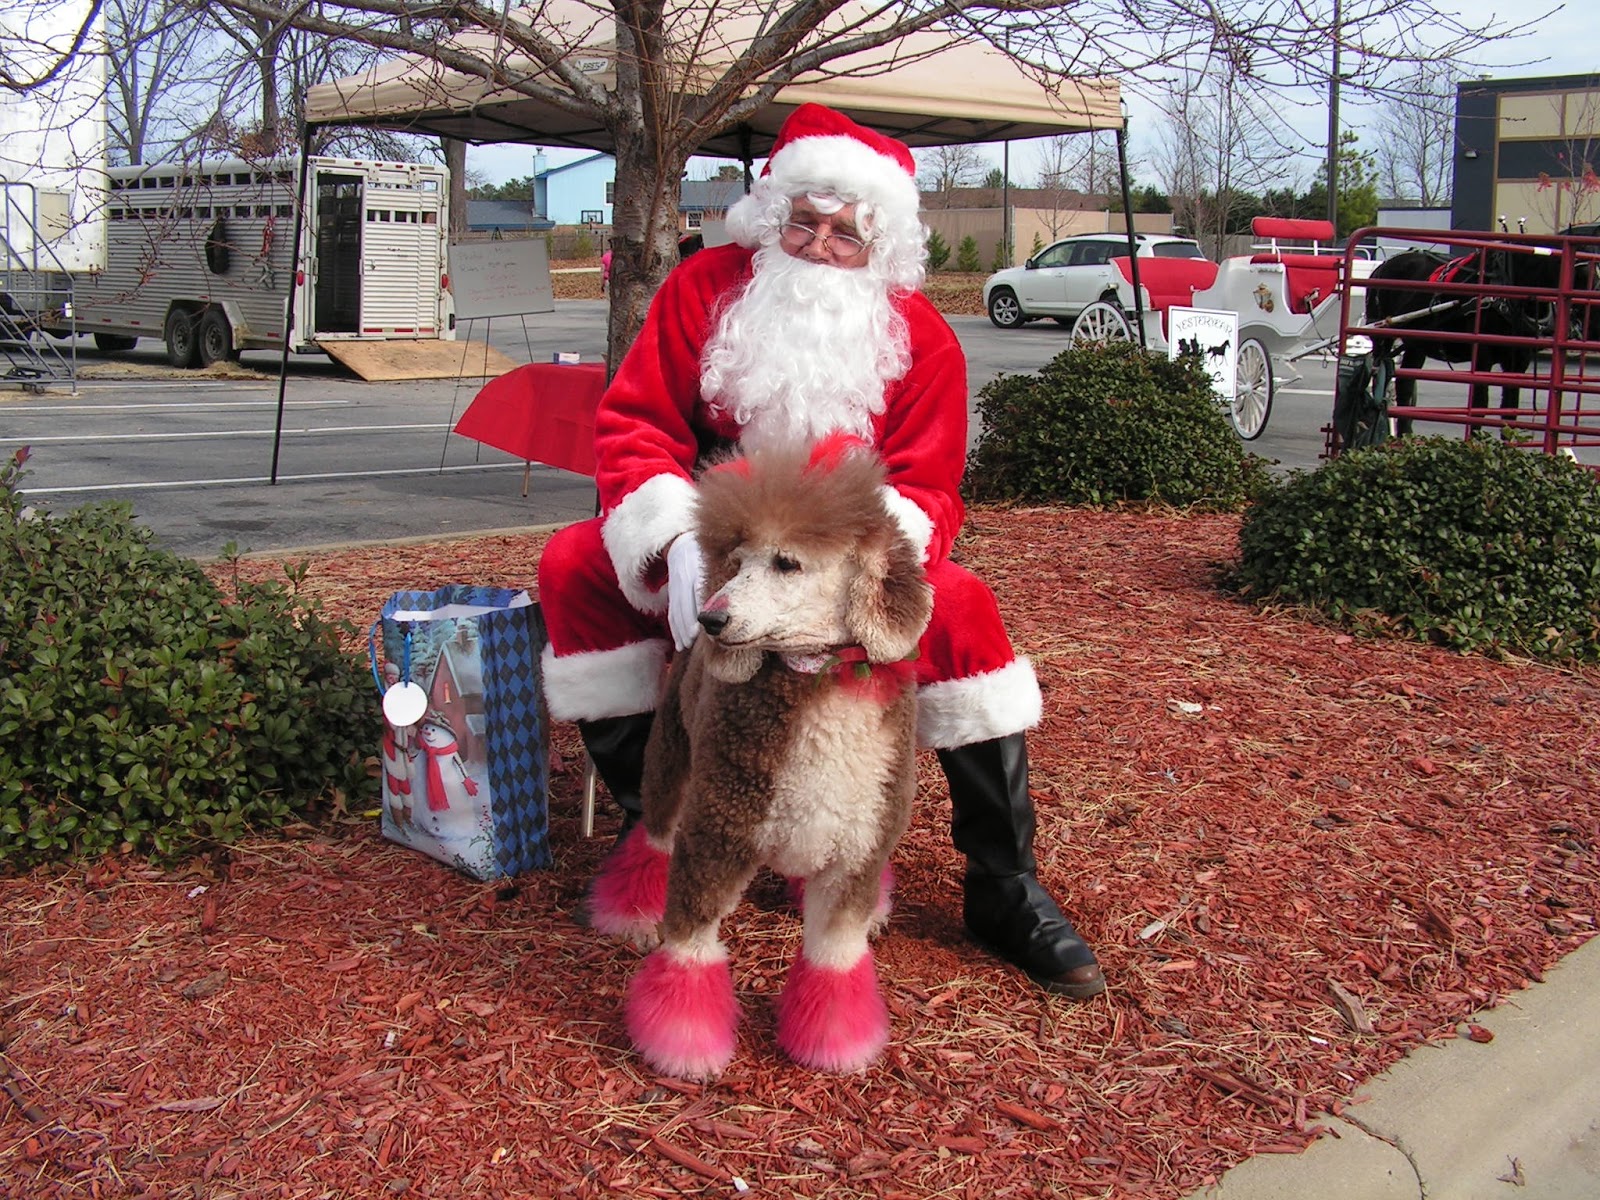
<point>602,582</point>
<point>809,325</point>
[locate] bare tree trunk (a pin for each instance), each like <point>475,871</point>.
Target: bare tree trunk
<point>455,159</point>
<point>644,222</point>
<point>270,43</point>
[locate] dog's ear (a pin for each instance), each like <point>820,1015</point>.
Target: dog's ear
<point>890,601</point>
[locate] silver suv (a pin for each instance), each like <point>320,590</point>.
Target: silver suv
<point>1067,276</point>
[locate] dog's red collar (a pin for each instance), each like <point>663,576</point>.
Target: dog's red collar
<point>849,668</point>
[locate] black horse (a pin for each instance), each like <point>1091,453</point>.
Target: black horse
<point>1490,319</point>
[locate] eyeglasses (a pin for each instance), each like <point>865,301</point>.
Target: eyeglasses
<point>840,245</point>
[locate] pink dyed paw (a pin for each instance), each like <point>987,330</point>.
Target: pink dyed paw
<point>629,896</point>
<point>682,1015</point>
<point>832,1020</point>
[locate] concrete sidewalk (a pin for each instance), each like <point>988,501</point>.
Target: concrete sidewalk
<point>1517,1118</point>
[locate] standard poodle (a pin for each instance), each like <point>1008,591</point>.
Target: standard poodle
<point>784,738</point>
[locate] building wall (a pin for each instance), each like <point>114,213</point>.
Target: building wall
<point>579,188</point>
<point>53,142</point>
<point>985,226</point>
<point>1526,152</point>
<point>1411,218</point>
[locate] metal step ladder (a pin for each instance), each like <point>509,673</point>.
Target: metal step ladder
<point>28,355</point>
<point>32,293</point>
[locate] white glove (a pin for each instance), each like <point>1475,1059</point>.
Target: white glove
<point>686,579</point>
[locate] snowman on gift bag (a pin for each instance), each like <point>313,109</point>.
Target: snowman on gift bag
<point>399,749</point>
<point>450,811</point>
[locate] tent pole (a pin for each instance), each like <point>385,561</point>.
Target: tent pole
<point>1133,242</point>
<point>288,309</point>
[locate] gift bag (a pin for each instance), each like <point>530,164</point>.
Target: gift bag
<point>465,757</point>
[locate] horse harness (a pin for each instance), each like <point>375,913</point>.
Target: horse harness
<point>1517,314</point>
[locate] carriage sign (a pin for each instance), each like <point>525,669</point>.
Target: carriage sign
<point>1215,334</point>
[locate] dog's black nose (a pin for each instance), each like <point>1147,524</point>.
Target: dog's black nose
<point>714,622</point>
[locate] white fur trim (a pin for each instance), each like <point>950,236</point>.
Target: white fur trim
<point>603,683</point>
<point>837,949</point>
<point>914,523</point>
<point>847,167</point>
<point>980,708</point>
<point>637,532</point>
<point>701,948</point>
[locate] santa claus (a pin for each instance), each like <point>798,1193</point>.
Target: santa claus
<point>809,324</point>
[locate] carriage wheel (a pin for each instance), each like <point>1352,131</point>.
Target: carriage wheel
<point>1252,390</point>
<point>1101,322</point>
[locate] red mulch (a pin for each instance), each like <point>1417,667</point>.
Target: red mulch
<point>1300,856</point>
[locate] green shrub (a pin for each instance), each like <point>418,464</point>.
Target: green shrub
<point>967,255</point>
<point>1038,245</point>
<point>141,709</point>
<point>1002,256</point>
<point>938,251</point>
<point>1106,423</point>
<point>1473,544</point>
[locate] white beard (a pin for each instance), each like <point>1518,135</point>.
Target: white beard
<point>804,351</point>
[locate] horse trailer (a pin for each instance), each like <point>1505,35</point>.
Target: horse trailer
<point>202,256</point>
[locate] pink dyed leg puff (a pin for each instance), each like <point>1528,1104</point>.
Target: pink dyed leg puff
<point>629,896</point>
<point>682,1014</point>
<point>832,1020</point>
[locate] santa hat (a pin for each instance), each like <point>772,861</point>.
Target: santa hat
<point>822,151</point>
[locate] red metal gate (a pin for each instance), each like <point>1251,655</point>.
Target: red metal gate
<point>1559,407</point>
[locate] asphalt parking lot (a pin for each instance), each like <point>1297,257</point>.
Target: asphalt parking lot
<point>196,457</point>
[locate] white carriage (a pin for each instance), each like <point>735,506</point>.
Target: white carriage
<point>1286,292</point>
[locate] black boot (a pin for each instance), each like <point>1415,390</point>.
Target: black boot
<point>616,747</point>
<point>1006,908</point>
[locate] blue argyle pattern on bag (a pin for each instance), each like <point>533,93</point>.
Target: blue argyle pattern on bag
<point>519,765</point>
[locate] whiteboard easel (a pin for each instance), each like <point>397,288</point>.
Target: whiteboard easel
<point>496,279</point>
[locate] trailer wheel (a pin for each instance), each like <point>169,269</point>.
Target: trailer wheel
<point>183,349</point>
<point>215,338</point>
<point>113,343</point>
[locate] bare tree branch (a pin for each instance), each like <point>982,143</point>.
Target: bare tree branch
<point>681,71</point>
<point>32,60</point>
<point>1415,138</point>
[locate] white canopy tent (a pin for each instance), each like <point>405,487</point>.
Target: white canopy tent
<point>927,89</point>
<point>930,88</point>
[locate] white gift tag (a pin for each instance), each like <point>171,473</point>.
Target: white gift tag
<point>404,704</point>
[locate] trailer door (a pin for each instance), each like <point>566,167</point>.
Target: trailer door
<point>338,282</point>
<point>403,256</point>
